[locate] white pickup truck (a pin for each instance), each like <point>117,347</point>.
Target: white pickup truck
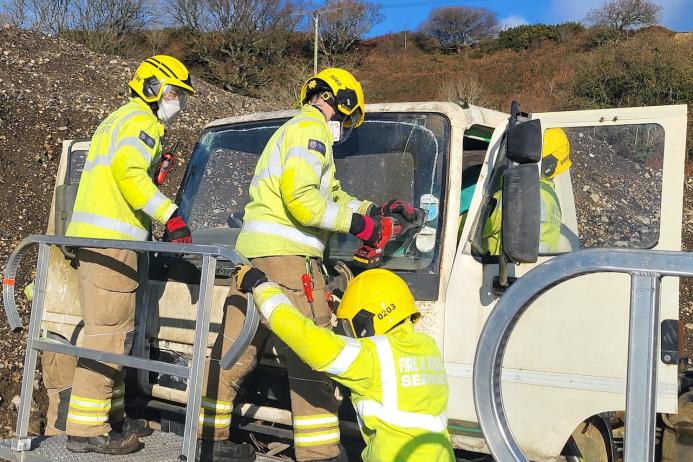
<point>565,366</point>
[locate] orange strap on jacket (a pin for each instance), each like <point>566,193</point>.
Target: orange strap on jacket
<point>8,282</point>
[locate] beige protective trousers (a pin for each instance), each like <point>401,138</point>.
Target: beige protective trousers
<point>313,402</point>
<point>107,285</point>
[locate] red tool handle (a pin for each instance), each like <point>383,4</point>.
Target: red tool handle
<point>163,168</point>
<point>307,287</point>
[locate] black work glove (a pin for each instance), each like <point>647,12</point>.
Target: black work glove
<point>248,277</point>
<point>397,206</point>
<point>368,229</point>
<point>177,230</point>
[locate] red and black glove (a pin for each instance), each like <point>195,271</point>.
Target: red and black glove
<point>177,230</point>
<point>371,229</point>
<point>396,206</point>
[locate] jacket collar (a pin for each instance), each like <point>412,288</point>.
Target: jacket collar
<point>311,110</point>
<point>142,105</point>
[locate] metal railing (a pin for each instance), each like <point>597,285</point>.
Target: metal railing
<point>646,268</point>
<point>210,254</point>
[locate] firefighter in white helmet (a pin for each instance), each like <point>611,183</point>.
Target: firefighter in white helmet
<point>295,204</point>
<point>396,375</point>
<point>116,199</point>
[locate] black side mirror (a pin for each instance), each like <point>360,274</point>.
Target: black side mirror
<point>524,142</point>
<point>521,213</point>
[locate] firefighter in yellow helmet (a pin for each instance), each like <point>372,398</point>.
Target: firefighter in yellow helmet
<point>396,375</point>
<point>295,204</point>
<point>555,161</point>
<point>116,199</point>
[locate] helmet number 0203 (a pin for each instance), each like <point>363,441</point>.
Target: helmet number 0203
<point>386,310</point>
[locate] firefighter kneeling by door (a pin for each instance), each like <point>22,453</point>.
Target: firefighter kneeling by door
<point>396,375</point>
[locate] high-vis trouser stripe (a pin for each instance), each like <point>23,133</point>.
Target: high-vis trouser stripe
<point>111,224</point>
<point>345,358</point>
<point>286,232</point>
<point>86,419</point>
<point>219,421</point>
<point>216,405</point>
<point>88,404</point>
<point>322,420</point>
<point>317,438</point>
<point>354,205</point>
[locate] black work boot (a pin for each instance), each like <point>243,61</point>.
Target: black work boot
<point>111,443</point>
<point>137,427</point>
<point>227,451</point>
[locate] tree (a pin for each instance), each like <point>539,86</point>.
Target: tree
<point>625,15</point>
<point>344,22</point>
<point>455,27</point>
<point>189,14</point>
<point>46,16</point>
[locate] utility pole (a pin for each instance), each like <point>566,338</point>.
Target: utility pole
<point>315,45</point>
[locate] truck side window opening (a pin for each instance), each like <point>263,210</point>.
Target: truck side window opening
<point>609,197</point>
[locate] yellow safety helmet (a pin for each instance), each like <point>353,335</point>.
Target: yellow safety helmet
<point>155,73</point>
<point>555,156</point>
<point>375,302</point>
<point>347,92</point>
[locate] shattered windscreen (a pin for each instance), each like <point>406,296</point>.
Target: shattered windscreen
<point>392,155</point>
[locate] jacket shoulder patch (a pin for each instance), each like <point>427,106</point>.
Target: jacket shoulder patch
<point>146,139</point>
<point>316,145</point>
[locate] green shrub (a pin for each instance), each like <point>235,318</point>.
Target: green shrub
<point>530,35</point>
<point>644,70</point>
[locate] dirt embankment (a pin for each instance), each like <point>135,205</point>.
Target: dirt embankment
<point>51,90</point>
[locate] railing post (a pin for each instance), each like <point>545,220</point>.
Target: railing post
<point>641,383</point>
<point>192,412</point>
<point>22,442</point>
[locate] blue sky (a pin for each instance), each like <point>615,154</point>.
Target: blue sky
<point>408,14</point>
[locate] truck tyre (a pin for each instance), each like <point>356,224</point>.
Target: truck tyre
<point>591,441</point>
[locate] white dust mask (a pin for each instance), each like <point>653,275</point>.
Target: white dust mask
<point>168,111</point>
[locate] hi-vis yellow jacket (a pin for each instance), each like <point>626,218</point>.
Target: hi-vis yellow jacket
<point>550,221</point>
<point>398,382</point>
<point>295,200</point>
<point>116,195</point>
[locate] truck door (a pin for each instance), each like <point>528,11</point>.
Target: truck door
<point>566,360</point>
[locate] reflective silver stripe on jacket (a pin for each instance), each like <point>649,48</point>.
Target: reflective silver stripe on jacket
<point>154,203</point>
<point>106,159</point>
<point>388,411</point>
<point>111,224</point>
<point>311,159</point>
<point>268,306</point>
<point>355,205</point>
<point>329,217</point>
<point>286,232</point>
<point>345,358</point>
